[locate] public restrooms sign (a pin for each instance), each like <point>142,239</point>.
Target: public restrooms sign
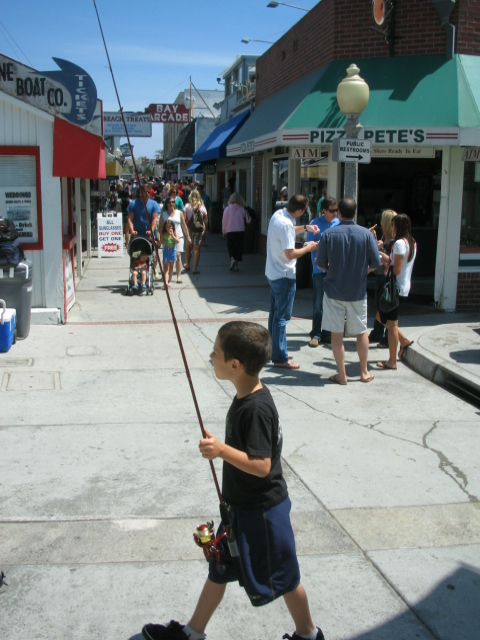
<point>69,92</point>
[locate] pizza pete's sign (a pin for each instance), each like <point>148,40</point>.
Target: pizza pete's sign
<point>69,92</point>
<point>169,113</point>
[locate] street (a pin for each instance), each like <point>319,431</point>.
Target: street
<point>102,485</point>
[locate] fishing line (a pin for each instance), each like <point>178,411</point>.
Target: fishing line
<point>174,319</point>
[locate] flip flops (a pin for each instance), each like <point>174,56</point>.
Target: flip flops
<point>335,380</point>
<point>286,365</point>
<point>383,365</point>
<point>403,349</point>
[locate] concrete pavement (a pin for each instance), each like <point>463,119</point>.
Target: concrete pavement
<point>102,485</point>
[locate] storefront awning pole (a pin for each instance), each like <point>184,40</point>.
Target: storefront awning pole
<point>78,215</point>
<point>88,214</point>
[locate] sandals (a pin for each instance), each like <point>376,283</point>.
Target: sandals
<point>336,380</point>
<point>383,365</point>
<point>286,365</point>
<point>403,349</point>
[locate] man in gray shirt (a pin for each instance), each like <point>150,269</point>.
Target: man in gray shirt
<point>348,252</point>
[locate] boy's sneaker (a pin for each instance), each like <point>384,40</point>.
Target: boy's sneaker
<point>135,287</point>
<point>144,288</point>
<point>295,636</point>
<point>172,631</point>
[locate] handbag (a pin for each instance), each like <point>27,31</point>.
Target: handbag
<point>389,295</point>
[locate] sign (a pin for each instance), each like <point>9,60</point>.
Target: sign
<point>306,153</point>
<point>139,125</point>
<point>19,204</point>
<point>69,281</point>
<point>70,92</point>
<point>125,149</point>
<point>110,235</point>
<point>208,168</point>
<point>169,113</point>
<point>471,155</point>
<point>352,150</point>
<point>402,152</point>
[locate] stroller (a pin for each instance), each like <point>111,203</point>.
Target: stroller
<point>140,245</point>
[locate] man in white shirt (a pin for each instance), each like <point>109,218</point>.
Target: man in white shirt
<point>280,270</point>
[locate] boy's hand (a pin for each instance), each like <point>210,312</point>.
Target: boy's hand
<point>209,446</point>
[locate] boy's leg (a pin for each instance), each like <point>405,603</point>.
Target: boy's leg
<point>144,276</point>
<point>134,277</point>
<point>297,603</point>
<point>210,598</point>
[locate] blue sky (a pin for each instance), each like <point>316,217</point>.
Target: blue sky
<point>154,45</point>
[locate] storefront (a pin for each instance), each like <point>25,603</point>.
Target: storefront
<point>417,148</point>
<point>49,151</point>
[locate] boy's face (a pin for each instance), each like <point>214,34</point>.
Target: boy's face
<point>222,369</point>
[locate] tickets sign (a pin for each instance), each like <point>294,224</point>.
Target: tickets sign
<point>169,113</point>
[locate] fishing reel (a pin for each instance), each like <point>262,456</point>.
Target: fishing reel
<point>204,537</point>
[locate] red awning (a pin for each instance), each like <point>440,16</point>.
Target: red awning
<point>77,153</point>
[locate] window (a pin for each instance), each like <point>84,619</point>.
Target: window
<point>470,234</point>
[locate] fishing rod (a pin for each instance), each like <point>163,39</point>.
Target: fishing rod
<point>204,535</point>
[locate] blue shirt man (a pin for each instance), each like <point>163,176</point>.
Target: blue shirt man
<point>348,251</point>
<point>138,221</point>
<point>327,220</point>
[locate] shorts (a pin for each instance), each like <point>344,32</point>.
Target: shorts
<point>335,312</point>
<point>169,254</point>
<point>196,238</point>
<point>266,545</point>
<point>393,314</point>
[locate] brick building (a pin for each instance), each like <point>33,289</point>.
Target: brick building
<point>422,65</point>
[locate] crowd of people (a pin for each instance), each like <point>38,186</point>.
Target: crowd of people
<point>343,254</point>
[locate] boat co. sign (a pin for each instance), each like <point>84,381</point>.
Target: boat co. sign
<point>169,113</point>
<point>69,92</point>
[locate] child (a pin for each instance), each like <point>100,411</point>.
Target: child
<point>255,490</point>
<point>140,263</point>
<point>170,239</point>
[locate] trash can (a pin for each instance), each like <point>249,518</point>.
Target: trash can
<point>216,218</point>
<point>16,289</point>
<point>304,269</point>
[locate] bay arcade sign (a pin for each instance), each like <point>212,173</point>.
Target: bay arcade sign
<point>169,113</point>
<point>68,92</point>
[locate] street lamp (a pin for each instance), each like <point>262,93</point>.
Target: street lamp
<point>352,97</point>
<point>247,40</point>
<point>274,5</point>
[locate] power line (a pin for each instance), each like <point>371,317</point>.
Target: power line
<point>9,35</point>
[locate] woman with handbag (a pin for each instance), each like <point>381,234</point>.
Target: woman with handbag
<point>379,334</point>
<point>400,262</point>
<point>234,219</point>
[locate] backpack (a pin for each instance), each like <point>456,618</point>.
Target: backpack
<point>11,252</point>
<point>8,230</point>
<point>195,223</point>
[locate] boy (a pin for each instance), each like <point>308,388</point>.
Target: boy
<point>255,490</point>
<point>140,263</point>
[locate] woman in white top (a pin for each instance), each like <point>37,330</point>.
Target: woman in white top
<point>178,219</point>
<point>402,258</point>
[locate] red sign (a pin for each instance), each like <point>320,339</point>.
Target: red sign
<point>173,113</point>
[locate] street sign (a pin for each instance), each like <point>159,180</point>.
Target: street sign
<point>352,150</point>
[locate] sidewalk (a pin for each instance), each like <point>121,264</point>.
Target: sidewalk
<point>103,487</point>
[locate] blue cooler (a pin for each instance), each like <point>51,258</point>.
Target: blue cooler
<point>8,323</point>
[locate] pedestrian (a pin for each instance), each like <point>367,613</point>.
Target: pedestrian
<point>401,260</point>
<point>143,214</point>
<point>328,219</point>
<point>280,270</point>
<point>196,219</point>
<point>177,217</point>
<point>379,333</point>
<point>254,488</point>
<point>348,252</point>
<point>235,216</point>
<point>170,240</point>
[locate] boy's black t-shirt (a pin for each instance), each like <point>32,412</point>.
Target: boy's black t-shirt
<point>252,425</point>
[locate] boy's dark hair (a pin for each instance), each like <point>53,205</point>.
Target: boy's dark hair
<point>348,208</point>
<point>247,342</point>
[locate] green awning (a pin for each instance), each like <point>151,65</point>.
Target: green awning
<point>439,98</point>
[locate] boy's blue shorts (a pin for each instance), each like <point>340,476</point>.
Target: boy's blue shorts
<point>169,254</point>
<point>266,545</point>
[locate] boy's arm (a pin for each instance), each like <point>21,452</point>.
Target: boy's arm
<point>212,448</point>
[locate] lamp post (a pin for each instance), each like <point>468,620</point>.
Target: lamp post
<point>352,97</point>
<point>247,40</point>
<point>274,5</point>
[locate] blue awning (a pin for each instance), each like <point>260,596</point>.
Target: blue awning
<point>193,168</point>
<point>215,146</point>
